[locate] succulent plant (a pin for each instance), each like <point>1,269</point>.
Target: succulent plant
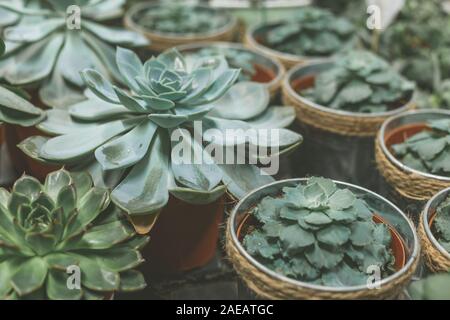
<point>44,49</point>
<point>441,224</point>
<point>314,32</point>
<point>128,132</point>
<point>359,81</point>
<point>319,233</point>
<point>14,108</point>
<point>177,18</point>
<point>65,222</point>
<point>427,151</point>
<point>433,287</point>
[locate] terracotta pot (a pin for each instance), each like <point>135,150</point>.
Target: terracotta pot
<point>184,236</point>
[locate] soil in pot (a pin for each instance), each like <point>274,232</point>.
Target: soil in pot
<point>184,237</point>
<point>263,74</point>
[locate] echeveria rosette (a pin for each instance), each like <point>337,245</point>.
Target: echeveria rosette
<point>127,132</point>
<point>319,233</point>
<point>65,222</point>
<point>14,108</point>
<point>427,151</point>
<point>43,52</point>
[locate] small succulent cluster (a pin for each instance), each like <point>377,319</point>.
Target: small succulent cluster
<point>45,50</point>
<point>181,19</point>
<point>64,223</point>
<point>314,32</point>
<point>441,224</point>
<point>128,132</point>
<point>429,150</point>
<point>433,287</point>
<point>14,108</point>
<point>320,234</point>
<point>236,58</point>
<point>359,81</point>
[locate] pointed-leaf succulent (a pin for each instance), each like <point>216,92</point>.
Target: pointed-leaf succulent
<point>319,233</point>
<point>47,47</point>
<point>135,132</point>
<point>359,81</point>
<point>429,150</point>
<point>50,230</point>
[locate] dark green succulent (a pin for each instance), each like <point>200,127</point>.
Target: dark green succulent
<point>130,132</point>
<point>45,49</point>
<point>427,151</point>
<point>65,223</point>
<point>433,287</point>
<point>177,18</point>
<point>359,81</point>
<point>441,224</point>
<point>318,233</point>
<point>14,108</point>
<point>313,32</point>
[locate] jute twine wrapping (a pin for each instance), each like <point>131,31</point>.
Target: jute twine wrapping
<point>345,125</point>
<point>160,42</point>
<point>435,259</point>
<point>287,60</point>
<point>408,184</point>
<point>268,287</point>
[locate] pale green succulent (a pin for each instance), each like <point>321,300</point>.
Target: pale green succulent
<point>319,233</point>
<point>48,230</point>
<point>433,287</point>
<point>45,49</point>
<point>127,133</point>
<point>14,109</point>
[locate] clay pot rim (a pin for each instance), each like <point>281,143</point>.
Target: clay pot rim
<point>276,65</point>
<point>129,21</point>
<point>384,132</point>
<point>385,281</point>
<point>429,214</point>
<point>291,76</point>
<point>292,58</point>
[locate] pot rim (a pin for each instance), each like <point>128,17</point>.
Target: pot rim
<point>287,85</point>
<point>280,70</point>
<point>426,218</point>
<point>138,7</point>
<point>391,157</point>
<point>273,4</point>
<point>414,254</point>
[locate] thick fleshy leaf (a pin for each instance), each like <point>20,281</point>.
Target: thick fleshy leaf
<point>243,101</point>
<point>94,110</point>
<point>137,193</point>
<point>16,110</point>
<point>61,261</point>
<point>198,197</point>
<point>274,117</point>
<point>73,146</point>
<point>30,276</point>
<point>57,288</point>
<point>131,103</point>
<point>117,36</point>
<point>168,120</point>
<point>117,259</point>
<point>295,238</point>
<point>131,280</point>
<point>158,103</point>
<point>55,182</point>
<point>96,278</point>
<point>128,149</point>
<point>33,32</point>
<point>28,186</point>
<point>35,62</point>
<point>82,182</point>
<point>100,86</point>
<point>130,66</point>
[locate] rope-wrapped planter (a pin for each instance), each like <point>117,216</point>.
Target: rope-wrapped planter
<point>269,71</point>
<point>162,41</point>
<point>436,257</point>
<point>268,284</point>
<point>409,183</point>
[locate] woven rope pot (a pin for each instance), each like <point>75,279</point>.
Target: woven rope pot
<point>251,40</point>
<point>268,70</point>
<point>346,138</point>
<point>412,188</point>
<point>436,257</point>
<point>161,41</point>
<point>267,284</point>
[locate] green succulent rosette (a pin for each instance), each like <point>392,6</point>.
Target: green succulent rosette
<point>50,230</point>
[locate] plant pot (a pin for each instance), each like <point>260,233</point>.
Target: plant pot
<point>269,284</point>
<point>345,138</point>
<point>161,41</point>
<point>184,236</point>
<point>436,257</point>
<point>410,187</point>
<point>253,39</point>
<point>21,162</point>
<point>268,70</point>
